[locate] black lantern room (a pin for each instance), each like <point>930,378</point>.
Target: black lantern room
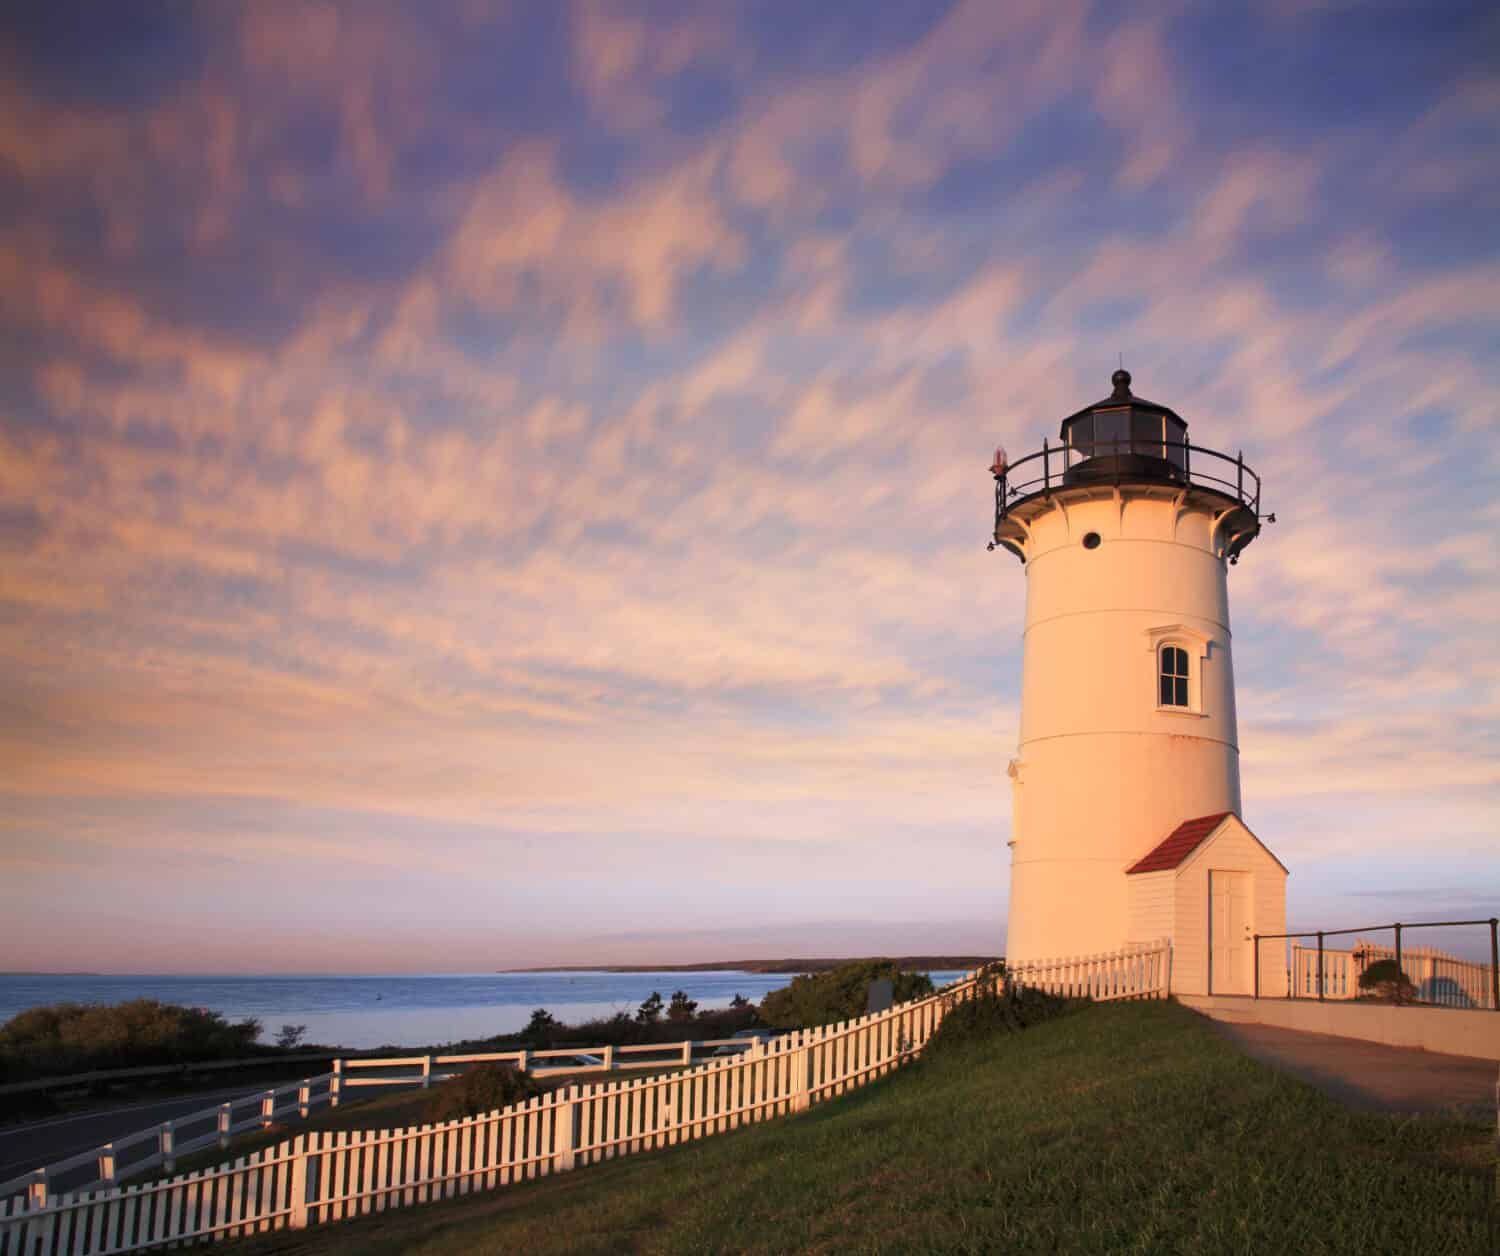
<point>1124,437</point>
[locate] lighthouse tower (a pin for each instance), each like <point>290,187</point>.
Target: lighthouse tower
<point>1126,787</point>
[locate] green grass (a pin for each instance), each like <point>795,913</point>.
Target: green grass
<point>1122,1128</point>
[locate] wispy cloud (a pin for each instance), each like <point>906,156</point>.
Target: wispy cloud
<point>564,430</point>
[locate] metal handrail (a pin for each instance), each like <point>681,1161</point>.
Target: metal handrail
<point>1057,460</point>
<point>1398,926</point>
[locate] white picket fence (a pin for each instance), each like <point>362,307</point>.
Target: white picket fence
<point>1139,971</point>
<point>1438,977</point>
<point>161,1145</point>
<point>329,1176</point>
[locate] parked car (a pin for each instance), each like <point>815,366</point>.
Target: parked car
<point>749,1036</point>
<point>582,1060</point>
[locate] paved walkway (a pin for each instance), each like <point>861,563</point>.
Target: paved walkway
<point>1371,1075</point>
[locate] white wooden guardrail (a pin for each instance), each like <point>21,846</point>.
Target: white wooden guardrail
<point>329,1176</point>
<point>160,1146</point>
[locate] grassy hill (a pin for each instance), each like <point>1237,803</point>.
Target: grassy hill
<point>1122,1128</point>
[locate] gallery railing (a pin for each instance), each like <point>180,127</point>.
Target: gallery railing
<point>1406,973</point>
<point>1123,461</point>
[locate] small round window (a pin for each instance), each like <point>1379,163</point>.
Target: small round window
<point>1090,540</point>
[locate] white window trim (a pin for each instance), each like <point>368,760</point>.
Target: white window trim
<point>1197,645</point>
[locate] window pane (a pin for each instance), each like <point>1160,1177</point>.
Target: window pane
<point>1181,699</point>
<point>1178,456</point>
<point>1145,434</point>
<point>1166,691</point>
<point>1111,425</point>
<point>1081,434</point>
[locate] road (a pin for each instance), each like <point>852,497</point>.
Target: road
<point>1371,1075</point>
<point>26,1147</point>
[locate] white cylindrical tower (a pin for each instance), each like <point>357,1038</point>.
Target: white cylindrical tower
<point>1127,695</point>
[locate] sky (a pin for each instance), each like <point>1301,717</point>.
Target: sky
<point>496,484</point>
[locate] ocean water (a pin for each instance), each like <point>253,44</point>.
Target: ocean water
<point>399,1010</point>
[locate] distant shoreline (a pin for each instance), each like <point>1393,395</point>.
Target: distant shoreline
<point>925,963</point>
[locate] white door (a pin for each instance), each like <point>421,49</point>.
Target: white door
<point>1229,934</point>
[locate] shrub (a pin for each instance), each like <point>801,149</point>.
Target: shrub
<point>681,1008</point>
<point>839,994</point>
<point>63,1038</point>
<point>480,1089</point>
<point>541,1028</point>
<point>1384,980</point>
<point>997,1010</point>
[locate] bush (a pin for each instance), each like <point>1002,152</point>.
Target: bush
<point>541,1028</point>
<point>839,994</point>
<point>64,1038</point>
<point>1384,980</point>
<point>998,1010</point>
<point>481,1089</point>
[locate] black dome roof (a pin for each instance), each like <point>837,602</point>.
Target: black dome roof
<point>1121,397</point>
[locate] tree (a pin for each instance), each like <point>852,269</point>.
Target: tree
<point>681,1007</point>
<point>838,994</point>
<point>739,1003</point>
<point>78,1037</point>
<point>541,1027</point>
<point>291,1036</point>
<point>649,1012</point>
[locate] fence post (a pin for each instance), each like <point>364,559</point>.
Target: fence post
<point>609,1058</point>
<point>168,1147</point>
<point>801,1079</point>
<point>1495,964</point>
<point>36,1189</point>
<point>336,1084</point>
<point>268,1110</point>
<point>107,1164</point>
<point>300,1181</point>
<point>566,1117</point>
<point>304,1097</point>
<point>524,1063</point>
<point>1400,971</point>
<point>426,1072</point>
<point>1257,965</point>
<point>226,1123</point>
<point>687,1053</point>
<point>1320,965</point>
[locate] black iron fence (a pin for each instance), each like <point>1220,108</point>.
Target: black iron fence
<point>1106,461</point>
<point>1403,971</point>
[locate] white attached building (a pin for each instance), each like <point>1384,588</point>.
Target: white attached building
<point>1210,886</point>
<point>1129,745</point>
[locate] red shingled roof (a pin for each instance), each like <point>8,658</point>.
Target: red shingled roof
<point>1180,843</point>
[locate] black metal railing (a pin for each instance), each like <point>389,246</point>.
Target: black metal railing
<point>1122,461</point>
<point>1418,974</point>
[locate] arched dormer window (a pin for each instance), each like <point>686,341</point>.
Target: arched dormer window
<point>1172,673</point>
<point>1178,655</point>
